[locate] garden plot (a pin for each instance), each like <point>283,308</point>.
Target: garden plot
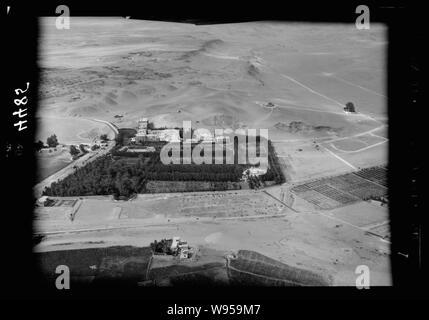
<point>332,192</point>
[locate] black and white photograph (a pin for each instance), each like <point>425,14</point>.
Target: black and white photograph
<point>194,152</point>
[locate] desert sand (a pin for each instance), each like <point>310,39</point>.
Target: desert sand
<point>222,76</point>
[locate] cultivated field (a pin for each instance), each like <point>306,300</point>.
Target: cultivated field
<point>99,212</point>
<point>97,265</point>
<point>332,192</point>
<point>137,266</point>
<point>252,268</point>
<point>189,186</point>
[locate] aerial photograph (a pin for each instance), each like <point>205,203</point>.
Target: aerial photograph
<point>234,154</point>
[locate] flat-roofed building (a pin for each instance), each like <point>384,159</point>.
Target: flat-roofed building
<point>143,124</point>
<point>169,135</point>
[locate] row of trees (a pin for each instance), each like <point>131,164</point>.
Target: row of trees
<point>75,152</point>
<point>122,178</point>
<point>106,176</point>
<point>52,142</point>
<point>274,172</point>
<point>124,135</point>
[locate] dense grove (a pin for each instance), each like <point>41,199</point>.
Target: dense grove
<point>106,176</point>
<point>116,174</point>
<point>274,172</point>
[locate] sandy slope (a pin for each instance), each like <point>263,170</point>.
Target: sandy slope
<point>218,76</point>
<point>133,68</point>
<point>221,76</point>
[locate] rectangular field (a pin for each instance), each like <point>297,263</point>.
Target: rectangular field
<point>157,186</point>
<point>62,203</point>
<point>375,174</point>
<point>250,267</point>
<point>97,264</point>
<point>332,192</point>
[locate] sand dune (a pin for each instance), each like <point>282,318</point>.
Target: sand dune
<point>216,75</point>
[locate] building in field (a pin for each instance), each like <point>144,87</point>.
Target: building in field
<point>174,247</point>
<point>143,124</point>
<point>144,134</point>
<point>174,243</point>
<point>168,135</point>
<point>144,137</point>
<point>254,172</point>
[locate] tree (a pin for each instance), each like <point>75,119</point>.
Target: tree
<point>52,141</point>
<point>74,151</point>
<point>82,148</point>
<point>350,107</point>
<point>39,145</point>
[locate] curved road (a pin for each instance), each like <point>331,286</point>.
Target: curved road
<point>109,124</point>
<point>80,162</point>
